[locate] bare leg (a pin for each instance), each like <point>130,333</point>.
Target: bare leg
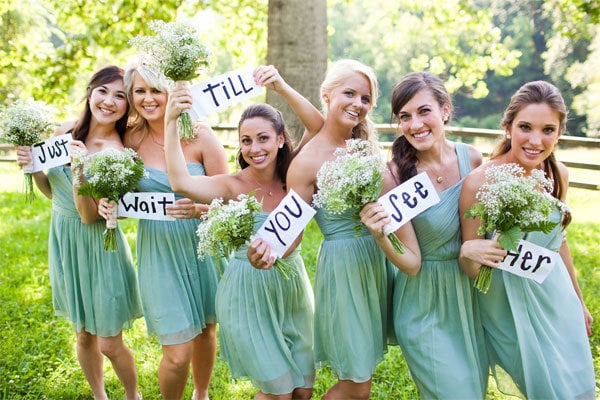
<point>203,360</point>
<point>302,394</point>
<point>265,396</point>
<point>123,363</point>
<point>91,360</point>
<point>174,370</point>
<point>346,390</point>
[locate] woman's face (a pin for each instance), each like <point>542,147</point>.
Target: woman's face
<point>533,134</point>
<point>149,102</point>
<point>108,102</point>
<point>422,119</point>
<point>350,102</point>
<point>259,142</point>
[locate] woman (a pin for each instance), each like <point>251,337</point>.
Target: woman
<point>95,289</point>
<point>176,288</point>
<point>548,354</point>
<point>434,319</point>
<point>351,283</point>
<point>279,359</point>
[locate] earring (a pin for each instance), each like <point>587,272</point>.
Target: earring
<point>508,136</point>
<point>281,145</point>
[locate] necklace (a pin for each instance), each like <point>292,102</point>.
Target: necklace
<point>261,188</point>
<point>439,178</point>
<point>162,145</point>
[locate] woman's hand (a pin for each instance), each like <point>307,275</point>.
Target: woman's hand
<point>180,100</point>
<point>182,209</point>
<point>483,252</point>
<point>259,254</point>
<point>24,158</point>
<point>375,218</point>
<point>269,77</point>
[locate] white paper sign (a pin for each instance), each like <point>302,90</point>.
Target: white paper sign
<point>51,153</point>
<point>531,261</point>
<point>146,205</point>
<point>222,91</point>
<point>285,223</point>
<point>408,200</point>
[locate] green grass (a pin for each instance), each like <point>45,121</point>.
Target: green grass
<point>38,359</point>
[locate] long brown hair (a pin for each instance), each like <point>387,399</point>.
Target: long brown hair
<point>537,92</point>
<point>103,76</point>
<point>274,116</point>
<point>404,155</point>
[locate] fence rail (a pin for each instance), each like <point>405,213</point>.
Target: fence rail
<point>228,134</point>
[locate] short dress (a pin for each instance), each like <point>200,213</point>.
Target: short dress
<point>351,298</point>
<point>266,323</point>
<point>93,288</point>
<point>436,319</point>
<point>177,289</point>
<point>536,334</point>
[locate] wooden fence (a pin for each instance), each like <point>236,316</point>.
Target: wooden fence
<point>587,172</point>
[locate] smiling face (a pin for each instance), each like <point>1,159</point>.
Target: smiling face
<point>422,120</point>
<point>349,102</point>
<point>108,102</point>
<point>149,102</point>
<point>533,134</point>
<point>259,142</point>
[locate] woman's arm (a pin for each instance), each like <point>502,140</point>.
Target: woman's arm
<point>475,250</point>
<point>25,158</point>
<point>198,188</point>
<point>309,115</point>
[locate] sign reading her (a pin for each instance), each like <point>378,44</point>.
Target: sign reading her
<point>222,91</point>
<point>408,200</point>
<point>50,153</point>
<point>146,205</point>
<point>530,261</point>
<point>285,223</point>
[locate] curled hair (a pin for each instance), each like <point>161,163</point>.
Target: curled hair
<point>537,92</point>
<point>103,76</point>
<point>274,116</point>
<point>338,72</point>
<point>404,155</point>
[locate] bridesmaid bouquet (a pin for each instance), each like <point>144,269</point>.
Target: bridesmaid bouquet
<point>511,204</point>
<point>112,173</point>
<point>227,227</point>
<point>352,180</point>
<point>26,123</point>
<point>177,53</point>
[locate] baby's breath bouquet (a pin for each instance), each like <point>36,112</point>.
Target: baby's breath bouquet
<point>352,180</point>
<point>509,205</point>
<point>111,173</point>
<point>25,123</point>
<point>176,52</point>
<point>225,227</point>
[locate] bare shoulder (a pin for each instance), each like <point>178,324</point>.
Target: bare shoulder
<point>475,179</point>
<point>64,127</point>
<point>475,156</point>
<point>205,135</point>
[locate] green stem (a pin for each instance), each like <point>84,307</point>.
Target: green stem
<point>29,190</point>
<point>484,279</point>
<point>110,239</point>
<point>285,268</point>
<point>186,129</point>
<point>396,243</point>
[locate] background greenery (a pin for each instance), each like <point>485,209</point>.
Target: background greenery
<point>38,355</point>
<point>484,49</point>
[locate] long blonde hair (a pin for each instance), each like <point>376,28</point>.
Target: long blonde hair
<point>337,73</point>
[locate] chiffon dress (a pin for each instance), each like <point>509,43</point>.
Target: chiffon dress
<point>536,333</point>
<point>266,323</point>
<point>177,289</point>
<point>436,320</point>
<point>93,288</point>
<point>351,298</point>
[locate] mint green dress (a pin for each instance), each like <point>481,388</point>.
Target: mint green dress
<point>351,298</point>
<point>177,289</point>
<point>95,289</point>
<point>266,323</point>
<point>435,317</point>
<point>536,334</point>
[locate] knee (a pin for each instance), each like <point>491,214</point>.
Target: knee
<point>112,347</point>
<point>86,340</point>
<point>208,334</point>
<point>302,394</point>
<point>177,358</point>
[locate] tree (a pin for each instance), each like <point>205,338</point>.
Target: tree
<point>297,46</point>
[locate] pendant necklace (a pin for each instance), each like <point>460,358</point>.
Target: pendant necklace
<point>439,178</point>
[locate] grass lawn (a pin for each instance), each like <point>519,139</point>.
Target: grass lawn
<point>38,359</point>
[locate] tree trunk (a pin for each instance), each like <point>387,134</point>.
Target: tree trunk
<point>297,46</point>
